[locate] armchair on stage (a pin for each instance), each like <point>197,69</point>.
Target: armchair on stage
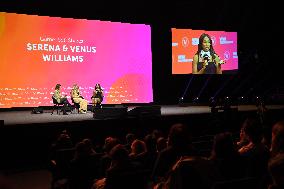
<point>96,103</point>
<point>57,105</point>
<point>76,105</point>
<point>60,106</point>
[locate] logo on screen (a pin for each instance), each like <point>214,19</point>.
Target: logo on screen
<point>226,55</point>
<point>195,41</point>
<point>185,42</point>
<point>223,40</point>
<point>174,44</point>
<point>213,38</point>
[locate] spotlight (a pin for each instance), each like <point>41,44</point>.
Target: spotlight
<point>180,100</point>
<point>195,99</point>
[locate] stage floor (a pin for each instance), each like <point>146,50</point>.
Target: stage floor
<point>25,117</point>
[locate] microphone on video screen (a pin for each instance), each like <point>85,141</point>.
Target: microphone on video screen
<point>206,57</point>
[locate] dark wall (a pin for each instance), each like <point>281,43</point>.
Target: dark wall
<point>258,73</point>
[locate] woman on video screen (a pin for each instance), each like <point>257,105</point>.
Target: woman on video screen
<point>206,61</point>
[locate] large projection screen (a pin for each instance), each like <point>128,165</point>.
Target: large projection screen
<point>37,52</point>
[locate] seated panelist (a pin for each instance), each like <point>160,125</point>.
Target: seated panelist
<point>98,96</point>
<point>78,98</point>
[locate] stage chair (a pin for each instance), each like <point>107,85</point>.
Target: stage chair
<point>76,106</point>
<point>56,105</point>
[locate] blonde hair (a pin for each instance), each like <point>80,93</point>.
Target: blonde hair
<point>75,86</point>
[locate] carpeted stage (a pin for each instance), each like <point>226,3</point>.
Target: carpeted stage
<point>26,117</point>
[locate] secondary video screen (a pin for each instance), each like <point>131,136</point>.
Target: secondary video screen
<point>204,52</point>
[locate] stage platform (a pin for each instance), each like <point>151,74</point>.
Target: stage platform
<point>26,117</point>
